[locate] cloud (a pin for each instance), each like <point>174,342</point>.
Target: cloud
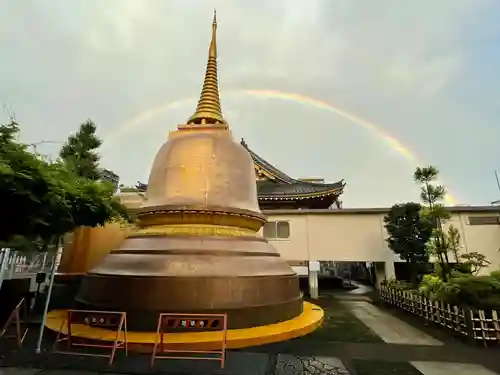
<point>417,69</point>
<point>427,78</point>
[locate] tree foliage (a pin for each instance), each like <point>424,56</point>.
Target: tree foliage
<point>475,261</point>
<point>80,152</point>
<point>432,195</point>
<point>42,201</point>
<point>460,285</point>
<point>408,235</point>
<point>453,242</point>
<point>22,185</point>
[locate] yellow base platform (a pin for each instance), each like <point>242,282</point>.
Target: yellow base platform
<point>308,321</point>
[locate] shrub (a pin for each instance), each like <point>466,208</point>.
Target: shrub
<point>462,289</point>
<point>481,292</point>
<point>495,274</point>
<point>431,286</point>
<point>398,284</point>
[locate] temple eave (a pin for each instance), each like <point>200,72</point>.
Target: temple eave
<point>334,193</point>
<point>282,196</point>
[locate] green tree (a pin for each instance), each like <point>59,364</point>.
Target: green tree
<point>476,261</point>
<point>42,201</point>
<point>408,233</point>
<point>74,201</point>
<point>449,242</point>
<point>453,242</point>
<point>432,195</point>
<point>80,152</point>
<point>22,185</point>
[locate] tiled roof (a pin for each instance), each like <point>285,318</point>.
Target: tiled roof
<point>283,185</point>
<point>269,167</point>
<point>266,188</point>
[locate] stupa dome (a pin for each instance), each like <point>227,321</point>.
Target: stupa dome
<point>193,169</point>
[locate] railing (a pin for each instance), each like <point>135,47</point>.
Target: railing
<point>16,262</point>
<point>17,320</point>
<point>476,325</point>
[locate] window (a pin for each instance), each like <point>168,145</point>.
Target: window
<point>277,229</point>
<point>484,220</point>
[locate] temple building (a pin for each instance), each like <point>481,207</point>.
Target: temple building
<point>277,190</point>
<point>110,176</point>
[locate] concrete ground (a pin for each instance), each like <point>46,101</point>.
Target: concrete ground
<point>449,368</point>
<point>397,349</point>
<point>394,331</point>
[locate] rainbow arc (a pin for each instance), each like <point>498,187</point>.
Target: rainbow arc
<point>395,144</point>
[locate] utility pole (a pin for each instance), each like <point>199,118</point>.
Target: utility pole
<point>498,185</point>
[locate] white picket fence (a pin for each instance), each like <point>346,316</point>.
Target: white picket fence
<point>474,324</point>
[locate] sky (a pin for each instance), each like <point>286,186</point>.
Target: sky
<point>424,73</point>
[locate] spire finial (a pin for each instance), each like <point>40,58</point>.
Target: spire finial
<point>213,43</point>
<point>208,110</point>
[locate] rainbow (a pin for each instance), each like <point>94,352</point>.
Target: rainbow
<point>392,142</point>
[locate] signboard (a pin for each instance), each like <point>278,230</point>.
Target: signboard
<point>171,322</point>
<point>190,321</point>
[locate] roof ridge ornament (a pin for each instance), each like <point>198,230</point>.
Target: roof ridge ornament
<point>208,111</point>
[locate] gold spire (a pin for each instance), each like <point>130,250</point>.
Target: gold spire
<point>209,110</point>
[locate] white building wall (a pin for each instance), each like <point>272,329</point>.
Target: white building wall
<point>359,235</point>
<point>298,245</point>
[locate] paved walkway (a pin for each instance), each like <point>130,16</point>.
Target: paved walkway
<point>394,331</point>
<point>390,329</point>
<point>447,368</point>
<point>360,290</point>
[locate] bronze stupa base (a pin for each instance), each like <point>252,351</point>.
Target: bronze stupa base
<point>245,316</point>
<point>243,277</point>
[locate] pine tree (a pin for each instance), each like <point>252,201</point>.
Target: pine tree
<point>432,195</point>
<point>80,152</point>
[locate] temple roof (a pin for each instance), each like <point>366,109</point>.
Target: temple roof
<point>277,184</point>
<point>304,189</point>
<point>279,175</point>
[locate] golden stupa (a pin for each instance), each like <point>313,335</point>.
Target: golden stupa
<point>197,247</point>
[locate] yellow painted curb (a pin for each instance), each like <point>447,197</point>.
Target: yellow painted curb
<point>307,322</point>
